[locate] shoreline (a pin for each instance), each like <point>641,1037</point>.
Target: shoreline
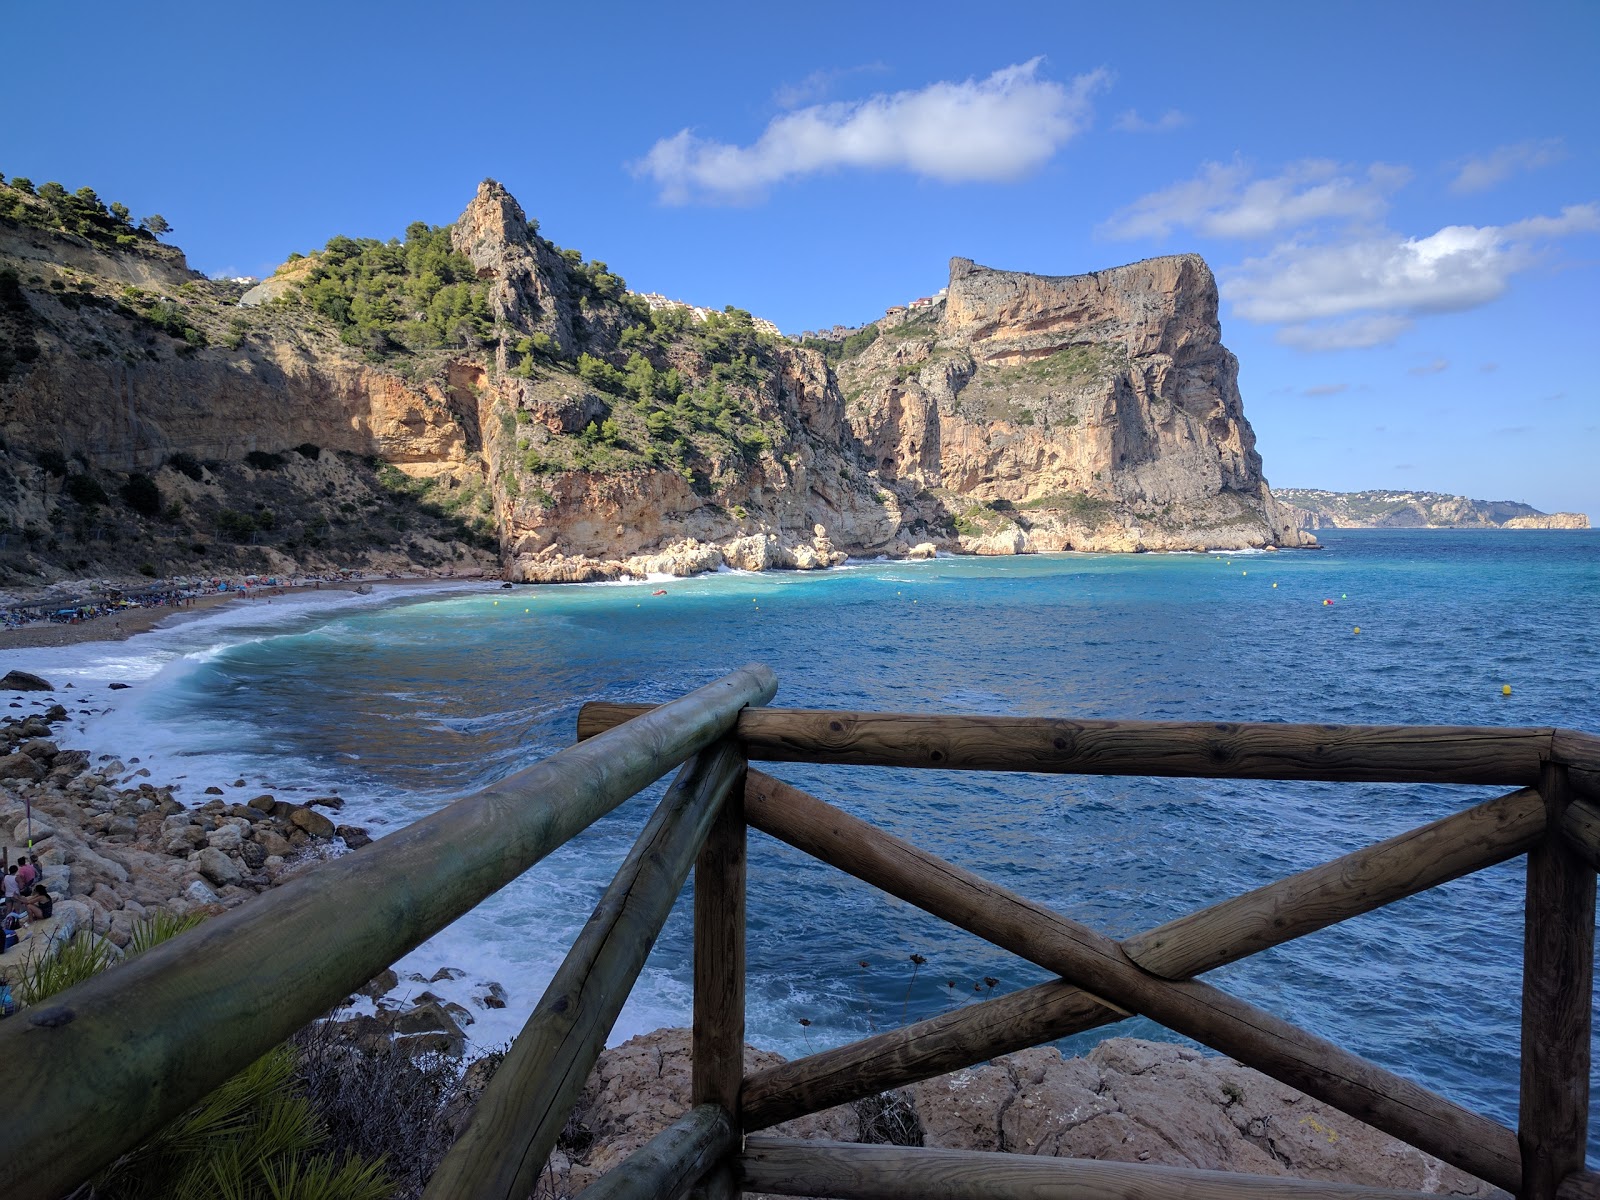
<point>129,622</point>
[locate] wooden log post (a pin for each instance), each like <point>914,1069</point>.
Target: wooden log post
<point>1356,883</point>
<point>102,1066</point>
<point>668,1165</point>
<point>790,1167</point>
<point>1557,985</point>
<point>719,975</point>
<point>1255,1038</point>
<point>525,1106</point>
<point>1580,825</point>
<point>1231,750</point>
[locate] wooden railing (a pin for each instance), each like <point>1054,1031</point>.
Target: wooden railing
<point>97,1070</point>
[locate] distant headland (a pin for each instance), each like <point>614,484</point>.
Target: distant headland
<point>1312,508</point>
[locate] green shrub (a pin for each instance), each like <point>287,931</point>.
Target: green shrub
<point>85,490</point>
<point>236,526</point>
<point>309,450</point>
<point>186,464</point>
<point>142,495</point>
<point>52,461</point>
<point>262,461</point>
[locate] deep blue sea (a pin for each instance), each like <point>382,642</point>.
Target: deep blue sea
<point>401,702</point>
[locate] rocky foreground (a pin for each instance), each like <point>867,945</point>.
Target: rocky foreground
<point>114,846</point>
<point>1126,1101</point>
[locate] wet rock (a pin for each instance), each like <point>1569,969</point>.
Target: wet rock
<point>492,995</point>
<point>382,983</point>
<point>353,836</point>
<point>24,681</point>
<point>313,822</point>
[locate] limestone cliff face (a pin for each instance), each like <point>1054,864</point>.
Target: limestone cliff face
<point>605,435</point>
<point>1094,411</point>
<point>670,490</point>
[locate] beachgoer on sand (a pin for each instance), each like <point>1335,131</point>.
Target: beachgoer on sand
<point>40,905</point>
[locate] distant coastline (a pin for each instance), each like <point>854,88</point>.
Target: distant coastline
<point>1315,508</point>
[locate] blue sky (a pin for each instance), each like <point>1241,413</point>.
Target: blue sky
<point>1401,200</point>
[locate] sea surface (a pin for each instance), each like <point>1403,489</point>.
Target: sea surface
<point>400,702</point>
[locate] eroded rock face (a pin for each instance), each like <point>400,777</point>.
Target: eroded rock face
<point>1127,1101</point>
<point>1094,412</point>
<point>1020,413</point>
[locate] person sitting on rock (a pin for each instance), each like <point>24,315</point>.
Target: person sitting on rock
<point>12,889</point>
<point>39,904</point>
<point>27,874</point>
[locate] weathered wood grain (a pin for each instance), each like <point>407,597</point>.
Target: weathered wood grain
<point>1580,825</point>
<point>1235,750</point>
<point>147,1040</point>
<point>523,1109</point>
<point>948,1042</point>
<point>1096,963</point>
<point>789,1167</point>
<point>719,959</point>
<point>1557,988</point>
<point>668,1165</point>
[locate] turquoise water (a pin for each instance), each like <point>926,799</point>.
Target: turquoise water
<point>403,705</point>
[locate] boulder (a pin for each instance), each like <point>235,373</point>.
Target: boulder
<point>273,843</point>
<point>217,866</point>
<point>313,822</point>
<point>40,827</point>
<point>24,681</point>
<point>18,765</point>
<point>353,836</point>
<point>226,838</point>
<point>198,893</point>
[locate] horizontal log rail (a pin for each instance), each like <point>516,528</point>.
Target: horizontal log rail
<point>96,1070</point>
<point>521,1113</point>
<point>1253,1037</point>
<point>1232,750</point>
<point>791,1167</point>
<point>673,1161</point>
<point>1348,886</point>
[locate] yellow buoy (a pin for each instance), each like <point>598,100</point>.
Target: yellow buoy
<point>1505,689</point>
<point>527,610</point>
<point>1274,585</point>
<point>1244,572</point>
<point>1358,629</point>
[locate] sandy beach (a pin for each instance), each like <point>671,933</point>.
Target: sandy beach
<point>124,624</point>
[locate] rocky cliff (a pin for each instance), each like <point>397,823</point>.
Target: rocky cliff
<point>1087,412</point>
<point>483,383</point>
<point>1313,508</point>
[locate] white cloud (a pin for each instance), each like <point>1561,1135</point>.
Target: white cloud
<point>1327,389</point>
<point>1224,201</point>
<point>1479,174</point>
<point>1357,333</point>
<point>817,85</point>
<point>993,129</point>
<point>1132,122</point>
<point>1459,267</point>
<point>1433,368</point>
